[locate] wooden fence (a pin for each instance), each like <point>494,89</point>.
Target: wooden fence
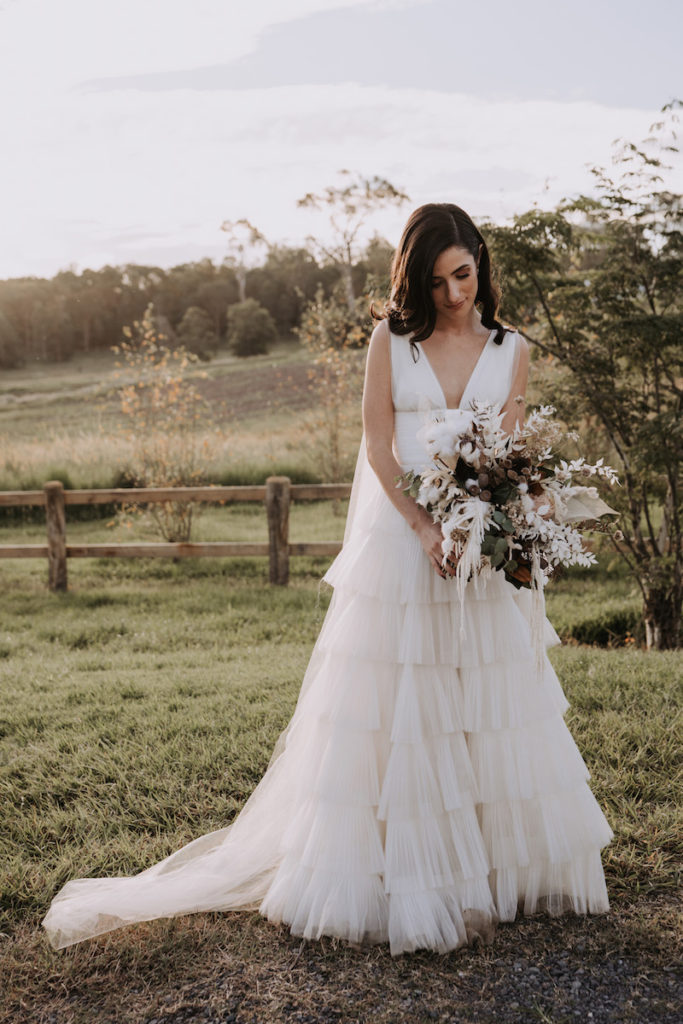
<point>277,494</point>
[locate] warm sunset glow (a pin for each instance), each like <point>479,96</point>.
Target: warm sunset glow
<point>132,130</point>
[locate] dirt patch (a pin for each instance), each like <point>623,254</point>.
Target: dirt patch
<point>246,392</point>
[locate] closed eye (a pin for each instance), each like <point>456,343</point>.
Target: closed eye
<point>460,277</point>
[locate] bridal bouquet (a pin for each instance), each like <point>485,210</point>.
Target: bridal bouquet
<point>505,502</point>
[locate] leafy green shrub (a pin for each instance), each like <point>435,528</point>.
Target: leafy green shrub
<point>610,628</point>
<point>13,514</point>
<point>255,474</point>
<point>196,332</point>
<point>251,328</point>
<point>63,475</point>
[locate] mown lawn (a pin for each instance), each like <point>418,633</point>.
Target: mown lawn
<point>140,709</point>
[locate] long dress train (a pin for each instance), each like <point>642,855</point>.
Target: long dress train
<point>426,785</point>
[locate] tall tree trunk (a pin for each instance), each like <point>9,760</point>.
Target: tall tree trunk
<point>348,286</point>
<point>662,617</point>
<point>241,275</point>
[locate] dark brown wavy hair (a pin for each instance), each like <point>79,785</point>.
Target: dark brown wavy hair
<point>431,229</point>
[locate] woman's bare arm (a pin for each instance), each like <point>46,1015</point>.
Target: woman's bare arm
<point>514,410</point>
<point>378,422</point>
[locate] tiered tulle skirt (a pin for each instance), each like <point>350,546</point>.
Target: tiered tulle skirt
<point>440,790</point>
<point>425,788</point>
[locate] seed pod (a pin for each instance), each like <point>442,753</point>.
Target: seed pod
<point>483,479</point>
<point>485,495</point>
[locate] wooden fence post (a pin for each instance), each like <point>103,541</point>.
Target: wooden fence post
<point>55,519</point>
<point>277,510</point>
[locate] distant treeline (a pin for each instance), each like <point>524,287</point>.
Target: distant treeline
<point>52,319</point>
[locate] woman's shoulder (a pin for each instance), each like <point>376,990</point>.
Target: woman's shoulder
<point>379,348</point>
<point>383,330</point>
<point>520,342</point>
<point>386,340</point>
<point>518,354</point>
<point>381,333</point>
<point>515,339</point>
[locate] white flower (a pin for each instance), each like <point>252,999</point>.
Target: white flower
<point>441,436</point>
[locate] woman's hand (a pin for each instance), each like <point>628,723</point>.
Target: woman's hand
<point>431,538</point>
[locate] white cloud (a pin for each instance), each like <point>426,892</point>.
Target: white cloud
<point>134,176</point>
<point>54,44</point>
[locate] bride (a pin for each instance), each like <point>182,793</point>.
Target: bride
<point>426,785</point>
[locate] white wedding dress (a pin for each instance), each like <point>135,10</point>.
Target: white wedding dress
<point>426,785</point>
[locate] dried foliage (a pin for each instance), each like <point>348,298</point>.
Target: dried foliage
<point>163,413</point>
<point>336,337</point>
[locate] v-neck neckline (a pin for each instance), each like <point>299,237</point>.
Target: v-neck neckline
<point>469,379</point>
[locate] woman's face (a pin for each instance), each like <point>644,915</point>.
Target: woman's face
<point>454,284</point>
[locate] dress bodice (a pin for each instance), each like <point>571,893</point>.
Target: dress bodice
<point>416,392</point>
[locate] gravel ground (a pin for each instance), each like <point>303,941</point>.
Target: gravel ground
<point>617,968</point>
<point>515,992</point>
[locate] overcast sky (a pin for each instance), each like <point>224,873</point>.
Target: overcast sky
<point>132,128</point>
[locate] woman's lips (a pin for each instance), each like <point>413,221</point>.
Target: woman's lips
<point>455,305</point>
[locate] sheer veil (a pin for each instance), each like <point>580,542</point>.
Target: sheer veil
<point>232,867</point>
<point>365,492</point>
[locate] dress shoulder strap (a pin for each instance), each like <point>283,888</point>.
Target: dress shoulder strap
<point>413,385</point>
<point>402,362</point>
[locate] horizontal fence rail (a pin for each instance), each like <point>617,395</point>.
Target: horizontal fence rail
<point>277,495</point>
<point>150,495</point>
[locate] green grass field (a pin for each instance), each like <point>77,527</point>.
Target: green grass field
<point>139,710</point>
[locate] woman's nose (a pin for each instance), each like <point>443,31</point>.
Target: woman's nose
<point>454,291</point>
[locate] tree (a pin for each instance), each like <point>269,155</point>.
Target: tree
<point>86,311</point>
<point>376,264</point>
<point>251,330</point>
<point>596,286</point>
<point>245,245</point>
<point>91,308</point>
<point>349,206</point>
<point>286,282</point>
<point>195,332</point>
<point>11,353</point>
<point>215,296</point>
